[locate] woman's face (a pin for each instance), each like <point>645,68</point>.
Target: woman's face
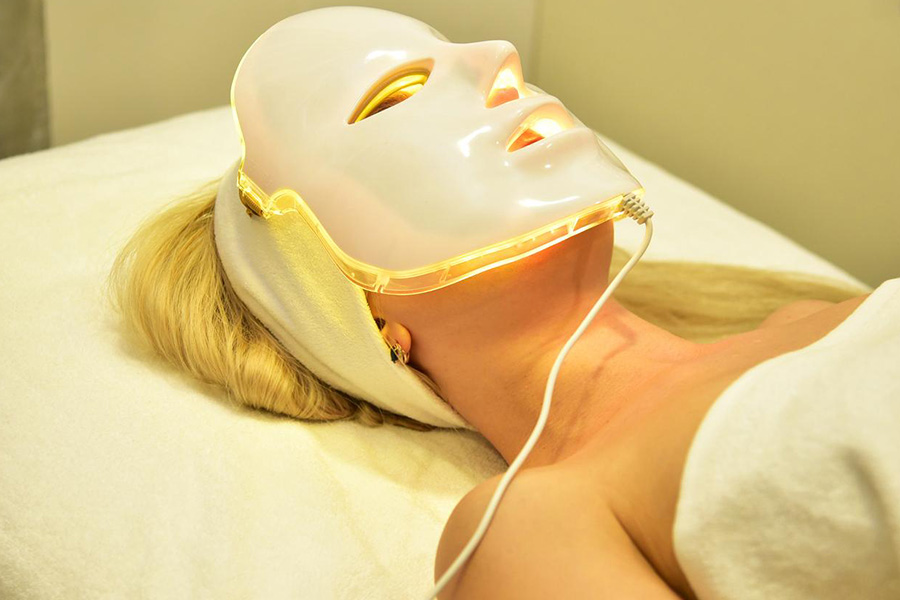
<point>446,171</point>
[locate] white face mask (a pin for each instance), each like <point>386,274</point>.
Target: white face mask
<point>430,190</point>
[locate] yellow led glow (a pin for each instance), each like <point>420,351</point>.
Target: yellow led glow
<point>441,274</point>
<point>409,83</point>
<point>546,127</point>
<point>506,87</point>
<point>506,79</point>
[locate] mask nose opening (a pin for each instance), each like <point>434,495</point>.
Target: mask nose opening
<point>505,89</point>
<point>508,83</point>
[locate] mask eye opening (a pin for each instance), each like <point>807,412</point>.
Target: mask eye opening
<point>392,89</point>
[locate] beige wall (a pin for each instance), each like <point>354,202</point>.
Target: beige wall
<point>789,110</point>
<point>23,91</point>
<point>115,63</point>
<point>785,109</point>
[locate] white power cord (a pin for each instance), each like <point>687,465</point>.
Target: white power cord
<point>635,208</point>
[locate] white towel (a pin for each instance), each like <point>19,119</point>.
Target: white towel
<point>281,270</point>
<point>792,483</point>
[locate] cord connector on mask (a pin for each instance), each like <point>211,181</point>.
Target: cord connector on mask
<point>252,196</point>
<point>635,208</point>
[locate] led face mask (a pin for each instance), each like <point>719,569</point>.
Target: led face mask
<point>418,162</point>
<point>373,143</point>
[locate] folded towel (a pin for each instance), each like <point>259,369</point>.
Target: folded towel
<point>792,484</point>
<point>281,270</point>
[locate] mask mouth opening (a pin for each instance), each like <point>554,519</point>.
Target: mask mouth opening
<point>539,125</point>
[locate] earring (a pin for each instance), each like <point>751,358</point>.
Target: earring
<point>398,353</point>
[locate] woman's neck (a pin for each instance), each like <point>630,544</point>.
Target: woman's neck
<point>500,389</point>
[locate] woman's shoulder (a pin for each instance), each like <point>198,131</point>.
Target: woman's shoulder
<point>544,541</point>
<point>800,309</point>
<point>794,311</point>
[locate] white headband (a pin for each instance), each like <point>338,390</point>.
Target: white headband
<point>281,271</point>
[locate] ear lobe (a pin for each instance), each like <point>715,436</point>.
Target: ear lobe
<point>394,332</point>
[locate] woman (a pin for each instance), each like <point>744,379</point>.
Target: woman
<point>629,401</point>
<point>630,396</point>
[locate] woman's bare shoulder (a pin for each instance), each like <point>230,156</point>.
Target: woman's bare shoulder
<point>544,543</point>
<point>793,311</point>
<point>801,309</point>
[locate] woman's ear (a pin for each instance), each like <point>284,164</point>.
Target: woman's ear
<point>395,333</point>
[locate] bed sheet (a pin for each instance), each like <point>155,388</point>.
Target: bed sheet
<point>121,477</point>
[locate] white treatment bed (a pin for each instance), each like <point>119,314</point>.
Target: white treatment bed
<point>122,478</point>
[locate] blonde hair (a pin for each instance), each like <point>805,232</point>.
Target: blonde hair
<point>171,291</point>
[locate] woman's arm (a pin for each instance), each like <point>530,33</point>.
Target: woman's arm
<point>535,549</point>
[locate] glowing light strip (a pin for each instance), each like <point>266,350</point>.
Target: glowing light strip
<point>439,274</point>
